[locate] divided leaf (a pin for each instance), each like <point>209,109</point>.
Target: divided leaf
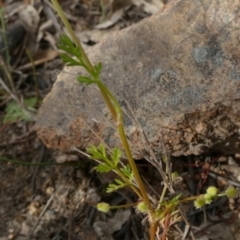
<point>71,49</point>
<point>175,200</point>
<point>69,60</point>
<point>102,149</point>
<point>66,44</point>
<point>115,157</point>
<point>15,112</point>
<point>95,154</point>
<point>98,152</point>
<point>126,170</point>
<point>114,187</point>
<point>98,69</point>
<point>103,168</point>
<point>85,80</point>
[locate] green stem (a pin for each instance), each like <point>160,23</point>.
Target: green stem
<point>129,183</point>
<point>133,166</point>
<point>123,206</point>
<point>119,119</point>
<point>162,195</point>
<point>114,109</point>
<point>188,199</point>
<point>152,230</point>
<point>72,34</point>
<point>124,178</point>
<point>117,115</point>
<point>167,210</point>
<point>105,93</point>
<point>84,55</point>
<point>5,36</point>
<point>34,73</point>
<point>221,194</point>
<point>103,10</point>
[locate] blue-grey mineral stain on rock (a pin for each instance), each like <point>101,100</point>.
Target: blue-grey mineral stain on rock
<point>235,74</point>
<point>155,74</point>
<point>200,54</point>
<point>212,52</point>
<point>167,79</point>
<point>218,58</point>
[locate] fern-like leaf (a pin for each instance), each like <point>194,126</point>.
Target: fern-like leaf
<point>69,60</point>
<point>85,80</point>
<point>103,168</point>
<point>116,155</point>
<point>114,187</point>
<point>127,171</point>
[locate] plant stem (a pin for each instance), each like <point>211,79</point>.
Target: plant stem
<point>162,195</point>
<point>84,55</point>
<point>189,199</point>
<point>133,166</point>
<point>136,190</point>
<point>152,230</point>
<point>106,94</point>
<point>123,206</point>
<point>5,36</point>
<point>103,10</point>
<point>34,73</point>
<point>72,34</point>
<point>116,112</point>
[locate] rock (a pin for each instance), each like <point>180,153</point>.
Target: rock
<point>179,70</point>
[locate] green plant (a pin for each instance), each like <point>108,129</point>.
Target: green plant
<point>163,212</point>
<point>16,109</point>
<point>103,10</point>
<point>75,50</point>
<point>15,112</point>
<point>211,194</point>
<point>3,26</point>
<point>5,59</point>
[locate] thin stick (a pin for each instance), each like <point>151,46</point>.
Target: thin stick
<point>224,179</point>
<point>8,90</point>
<point>42,213</point>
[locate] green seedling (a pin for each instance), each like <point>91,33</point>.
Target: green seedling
<point>15,112</point>
<point>16,109</point>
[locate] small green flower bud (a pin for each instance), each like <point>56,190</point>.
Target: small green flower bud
<point>142,207</point>
<point>208,198</point>
<point>231,192</point>
<point>200,202</point>
<point>165,158</point>
<point>103,207</point>
<point>174,175</point>
<point>212,191</point>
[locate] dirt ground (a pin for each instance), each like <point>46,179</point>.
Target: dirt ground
<point>46,194</point>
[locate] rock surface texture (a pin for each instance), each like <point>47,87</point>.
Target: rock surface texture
<point>178,70</point>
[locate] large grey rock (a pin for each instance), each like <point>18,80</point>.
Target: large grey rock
<point>179,70</point>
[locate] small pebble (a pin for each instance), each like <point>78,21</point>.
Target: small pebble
<point>238,178</point>
<point>232,162</point>
<point>49,190</point>
<point>222,159</point>
<point>237,155</point>
<point>11,236</point>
